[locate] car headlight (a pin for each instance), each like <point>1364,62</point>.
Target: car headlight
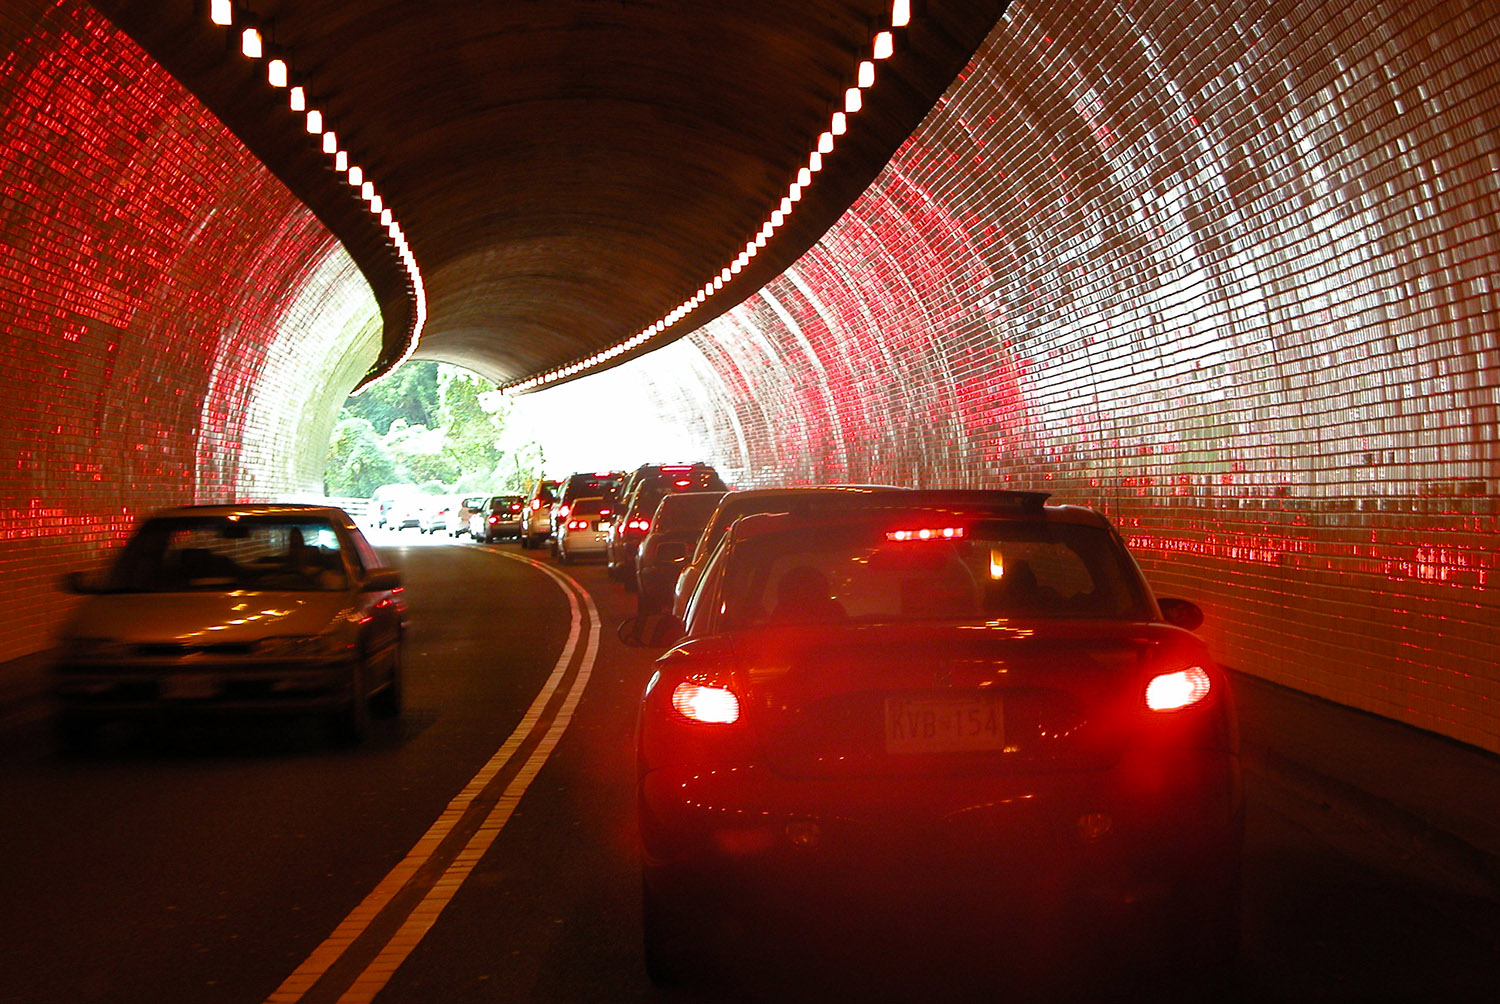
<point>329,643</point>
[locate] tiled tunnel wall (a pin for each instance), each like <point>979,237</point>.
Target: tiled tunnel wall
<point>174,325</point>
<point>1227,271</point>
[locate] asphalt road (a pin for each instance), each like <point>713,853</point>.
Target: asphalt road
<point>481,847</point>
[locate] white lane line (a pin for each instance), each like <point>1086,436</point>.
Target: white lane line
<point>359,919</point>
<point>424,915</point>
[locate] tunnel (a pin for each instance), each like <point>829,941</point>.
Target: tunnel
<point>1225,271</point>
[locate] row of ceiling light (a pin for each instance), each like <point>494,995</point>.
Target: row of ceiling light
<point>882,47</point>
<point>279,75</point>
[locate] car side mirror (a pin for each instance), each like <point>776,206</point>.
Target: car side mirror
<point>650,631</point>
<point>1182,613</point>
<point>380,579</point>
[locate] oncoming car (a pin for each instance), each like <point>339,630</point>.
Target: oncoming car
<point>245,609</point>
<point>960,716</point>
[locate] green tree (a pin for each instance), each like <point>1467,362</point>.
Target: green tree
<point>410,393</point>
<point>428,424</point>
<point>357,462</point>
<point>472,429</point>
<point>420,453</point>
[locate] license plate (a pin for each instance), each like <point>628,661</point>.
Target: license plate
<point>943,724</point>
<point>189,686</point>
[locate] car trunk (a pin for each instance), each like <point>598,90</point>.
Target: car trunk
<point>925,699</point>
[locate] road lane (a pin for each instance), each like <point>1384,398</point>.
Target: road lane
<point>219,855</point>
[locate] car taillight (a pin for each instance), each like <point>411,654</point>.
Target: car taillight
<point>605,512</point>
<point>639,524</point>
<point>927,533</point>
<point>494,519</point>
<point>578,524</point>
<point>562,511</point>
<point>516,507</point>
<point>536,504</point>
<point>1174,691</point>
<point>681,483</point>
<point>709,705</point>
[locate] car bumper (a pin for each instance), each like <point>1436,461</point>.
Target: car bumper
<point>584,542</point>
<point>91,691</point>
<point>1101,841</point>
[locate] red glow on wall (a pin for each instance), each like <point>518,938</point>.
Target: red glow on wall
<point>145,260</point>
<point>1159,266</point>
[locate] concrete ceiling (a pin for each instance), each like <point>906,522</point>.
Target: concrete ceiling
<point>566,171</point>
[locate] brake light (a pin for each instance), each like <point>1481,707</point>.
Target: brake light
<point>494,519</point>
<point>927,533</point>
<point>605,511</point>
<point>516,507</point>
<point>1174,691</point>
<point>578,524</point>
<point>562,511</point>
<point>536,504</point>
<point>677,467</point>
<point>681,483</point>
<point>709,705</point>
<point>639,524</point>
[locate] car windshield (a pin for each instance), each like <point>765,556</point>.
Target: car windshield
<point>986,570</point>
<point>222,554</point>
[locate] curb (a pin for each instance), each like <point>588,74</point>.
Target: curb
<point>1407,832</point>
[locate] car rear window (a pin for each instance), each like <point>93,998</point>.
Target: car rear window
<point>690,510</point>
<point>995,569</point>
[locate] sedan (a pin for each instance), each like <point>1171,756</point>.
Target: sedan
<point>675,527</point>
<point>582,533</point>
<point>946,722</point>
<point>234,609</point>
<point>498,518</point>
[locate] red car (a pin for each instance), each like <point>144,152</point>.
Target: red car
<point>938,718</point>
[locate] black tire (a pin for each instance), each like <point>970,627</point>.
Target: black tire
<point>350,725</point>
<point>390,700</point>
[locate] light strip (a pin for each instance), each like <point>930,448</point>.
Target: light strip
<point>278,75</point>
<point>883,45</point>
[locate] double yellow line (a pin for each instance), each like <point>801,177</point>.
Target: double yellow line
<point>364,951</point>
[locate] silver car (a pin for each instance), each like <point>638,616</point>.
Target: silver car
<point>252,609</point>
<point>582,533</point>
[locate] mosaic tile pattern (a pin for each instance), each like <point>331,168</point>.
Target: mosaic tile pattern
<point>164,309</point>
<point>1227,271</point>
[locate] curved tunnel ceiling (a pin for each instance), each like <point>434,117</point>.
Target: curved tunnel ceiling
<point>566,171</point>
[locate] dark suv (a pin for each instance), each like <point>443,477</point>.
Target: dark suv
<point>648,485</point>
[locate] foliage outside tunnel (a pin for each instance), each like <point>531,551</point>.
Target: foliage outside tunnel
<point>435,426</point>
